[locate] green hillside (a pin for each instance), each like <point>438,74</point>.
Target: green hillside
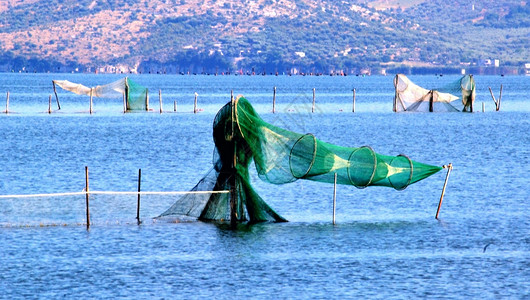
<point>262,36</point>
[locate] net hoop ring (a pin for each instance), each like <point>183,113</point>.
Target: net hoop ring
<point>373,170</point>
<point>312,159</point>
<point>410,176</point>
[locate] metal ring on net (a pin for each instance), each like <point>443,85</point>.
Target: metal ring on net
<point>313,158</point>
<point>410,176</point>
<point>374,164</point>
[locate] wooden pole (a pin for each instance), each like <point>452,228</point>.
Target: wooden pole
<point>334,197</point>
<point>483,107</point>
<point>274,100</point>
<point>449,168</point>
<point>124,103</point>
<point>90,109</point>
<point>56,97</point>
<point>138,204</point>
<point>313,106</point>
<point>146,100</point>
<point>431,101</point>
<point>87,201</point>
<point>160,99</point>
<point>500,96</point>
<point>353,107</point>
<point>7,103</point>
<point>50,104</point>
<point>492,96</point>
<point>494,100</point>
<point>195,104</point>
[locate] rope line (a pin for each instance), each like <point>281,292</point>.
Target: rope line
<point>111,193</point>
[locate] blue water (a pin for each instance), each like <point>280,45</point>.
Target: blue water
<point>386,243</point>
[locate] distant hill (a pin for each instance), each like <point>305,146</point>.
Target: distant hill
<point>262,36</point>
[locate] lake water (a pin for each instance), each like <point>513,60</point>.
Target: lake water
<point>386,243</point>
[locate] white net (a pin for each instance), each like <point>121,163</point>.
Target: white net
<point>410,97</point>
<point>137,96</point>
<point>112,90</point>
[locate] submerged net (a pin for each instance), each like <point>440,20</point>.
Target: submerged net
<point>136,95</point>
<point>413,98</point>
<point>281,156</point>
<point>69,208</point>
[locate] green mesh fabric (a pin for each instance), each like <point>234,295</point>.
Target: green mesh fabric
<point>413,98</point>
<point>137,96</point>
<point>280,157</point>
<point>467,86</point>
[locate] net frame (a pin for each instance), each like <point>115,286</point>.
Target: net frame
<point>352,163</point>
<point>313,158</point>
<point>411,165</point>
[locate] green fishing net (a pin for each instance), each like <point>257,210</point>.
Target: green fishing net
<point>137,95</point>
<point>281,156</point>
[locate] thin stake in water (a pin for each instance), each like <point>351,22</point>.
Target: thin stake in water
<point>334,196</point>
<point>195,103</point>
<point>138,204</point>
<point>353,107</point>
<point>274,100</point>
<point>90,109</point>
<point>313,106</point>
<point>87,200</point>
<point>56,97</point>
<point>7,103</point>
<point>449,167</point>
<point>160,99</point>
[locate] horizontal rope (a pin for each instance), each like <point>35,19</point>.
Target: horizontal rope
<point>42,195</point>
<point>111,193</point>
<point>157,193</point>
